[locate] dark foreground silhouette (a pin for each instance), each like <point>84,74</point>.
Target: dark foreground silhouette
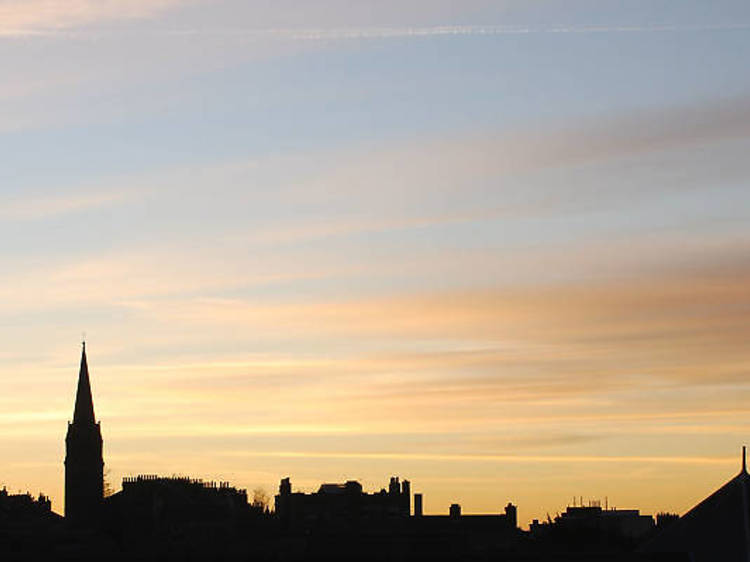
<point>155,518</point>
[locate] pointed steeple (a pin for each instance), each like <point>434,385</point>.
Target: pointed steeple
<point>84,461</point>
<point>84,410</point>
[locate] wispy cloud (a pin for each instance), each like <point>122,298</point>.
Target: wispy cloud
<point>41,17</point>
<point>404,189</point>
<point>25,207</point>
<point>460,30</point>
<point>525,459</point>
<point>541,350</point>
<point>34,25</point>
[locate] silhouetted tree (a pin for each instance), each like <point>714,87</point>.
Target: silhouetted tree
<point>261,499</point>
<point>107,488</point>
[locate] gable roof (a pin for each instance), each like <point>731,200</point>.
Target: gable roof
<point>718,528</point>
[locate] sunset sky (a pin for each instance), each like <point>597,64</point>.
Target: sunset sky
<point>499,248</point>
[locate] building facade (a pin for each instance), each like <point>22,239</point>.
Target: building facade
<point>341,505</point>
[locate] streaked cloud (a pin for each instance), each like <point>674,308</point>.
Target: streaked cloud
<point>23,207</point>
<point>29,17</point>
<point>351,33</point>
<point>510,458</point>
<point>470,30</point>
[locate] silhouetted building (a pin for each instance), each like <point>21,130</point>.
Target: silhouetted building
<point>497,522</point>
<point>340,505</point>
<point>623,523</point>
<point>718,528</point>
<point>27,526</point>
<point>458,536</point>
<point>151,508</point>
<point>341,522</point>
<point>24,506</point>
<point>84,463</point>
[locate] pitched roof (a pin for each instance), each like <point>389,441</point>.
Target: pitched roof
<point>718,528</point>
<point>84,409</point>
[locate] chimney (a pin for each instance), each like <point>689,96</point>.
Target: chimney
<point>417,505</point>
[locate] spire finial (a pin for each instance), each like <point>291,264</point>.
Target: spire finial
<point>744,459</point>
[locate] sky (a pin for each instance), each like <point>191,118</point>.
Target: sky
<point>499,248</point>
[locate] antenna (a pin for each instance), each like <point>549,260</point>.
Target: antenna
<point>744,459</point>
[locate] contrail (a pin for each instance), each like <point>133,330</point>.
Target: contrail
<point>463,30</point>
<point>364,33</point>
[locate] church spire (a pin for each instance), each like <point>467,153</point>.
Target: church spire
<point>84,409</point>
<point>84,462</point>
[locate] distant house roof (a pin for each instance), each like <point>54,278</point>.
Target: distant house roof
<point>332,489</point>
<point>336,488</point>
<point>718,528</point>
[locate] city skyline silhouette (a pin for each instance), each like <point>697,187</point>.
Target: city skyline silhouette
<point>179,517</point>
<point>115,474</point>
<point>84,464</point>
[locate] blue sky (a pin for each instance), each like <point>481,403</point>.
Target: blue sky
<point>467,242</point>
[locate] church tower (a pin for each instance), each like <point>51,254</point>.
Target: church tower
<point>84,463</point>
